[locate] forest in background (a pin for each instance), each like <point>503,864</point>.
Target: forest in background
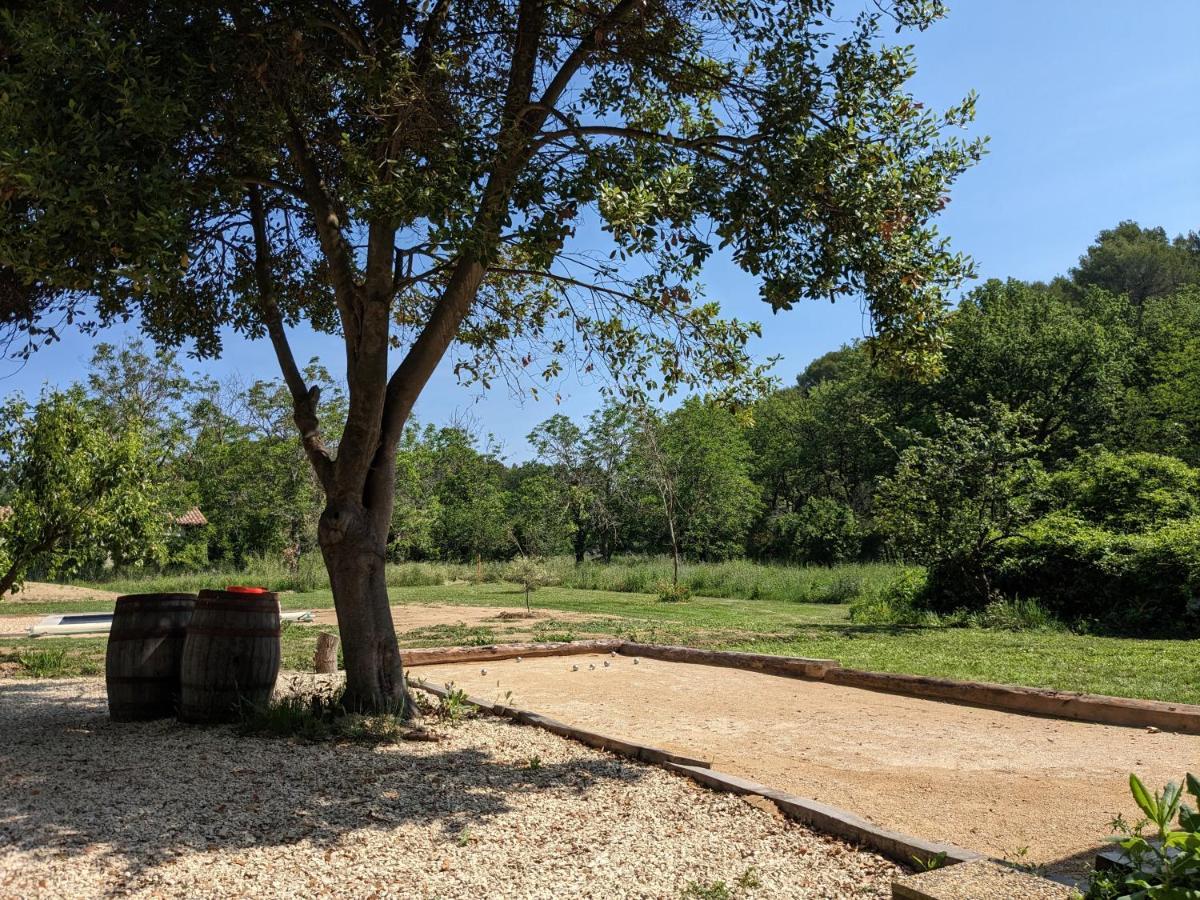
<point>1053,462</point>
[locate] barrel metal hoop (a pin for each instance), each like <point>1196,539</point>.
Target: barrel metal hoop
<point>145,633</point>
<point>213,631</point>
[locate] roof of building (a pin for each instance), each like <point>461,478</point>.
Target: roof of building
<point>191,518</point>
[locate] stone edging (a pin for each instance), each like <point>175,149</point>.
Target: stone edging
<point>822,817</point>
<point>1097,708</point>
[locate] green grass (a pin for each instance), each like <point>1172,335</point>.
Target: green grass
<point>779,620</point>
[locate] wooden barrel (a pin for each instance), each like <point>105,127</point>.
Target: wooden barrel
<point>145,646</point>
<point>231,655</point>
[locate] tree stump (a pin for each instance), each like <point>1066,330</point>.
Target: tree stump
<point>325,659</point>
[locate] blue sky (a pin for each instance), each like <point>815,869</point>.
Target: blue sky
<point>1093,110</point>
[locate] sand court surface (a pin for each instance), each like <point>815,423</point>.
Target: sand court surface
<point>1034,790</point>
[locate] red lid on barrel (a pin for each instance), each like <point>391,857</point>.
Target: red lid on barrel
<point>242,589</point>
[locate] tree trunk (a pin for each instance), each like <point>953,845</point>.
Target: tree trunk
<point>9,579</point>
<point>355,550</point>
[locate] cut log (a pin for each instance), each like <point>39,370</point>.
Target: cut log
<point>325,659</point>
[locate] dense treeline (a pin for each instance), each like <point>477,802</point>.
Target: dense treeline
<point>1052,458</point>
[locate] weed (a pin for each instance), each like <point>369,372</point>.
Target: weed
<point>48,663</point>
<point>1019,859</point>
<point>748,880</point>
<point>929,863</point>
<point>318,715</point>
<point>534,763</point>
<point>673,593</point>
<point>710,890</point>
<point>454,706</point>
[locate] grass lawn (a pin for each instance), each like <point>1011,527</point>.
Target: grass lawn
<point>1125,667</point>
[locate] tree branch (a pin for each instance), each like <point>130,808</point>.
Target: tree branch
<point>304,399</point>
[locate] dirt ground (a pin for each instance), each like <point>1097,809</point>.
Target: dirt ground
<point>1033,790</point>
<point>44,592</point>
<point>515,625</point>
<point>94,809</point>
<point>510,624</point>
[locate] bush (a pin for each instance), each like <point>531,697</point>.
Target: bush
<point>1128,493</point>
<point>673,593</point>
<point>899,603</point>
<point>1165,866</point>
<point>1081,572</point>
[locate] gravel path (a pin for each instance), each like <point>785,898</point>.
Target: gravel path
<point>92,809</point>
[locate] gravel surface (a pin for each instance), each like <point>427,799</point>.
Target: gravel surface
<point>93,809</point>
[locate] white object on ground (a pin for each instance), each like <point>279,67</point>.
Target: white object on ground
<point>101,622</point>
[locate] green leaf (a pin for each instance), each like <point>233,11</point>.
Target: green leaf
<point>1142,797</point>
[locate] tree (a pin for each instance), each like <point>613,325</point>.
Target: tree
<point>715,500</point>
<point>410,176</point>
<point>79,493</point>
<point>473,516</point>
<point>1141,263</point>
<point>560,444</point>
<point>956,496</point>
<point>541,516</point>
<point>606,447</point>
<point>1062,363</point>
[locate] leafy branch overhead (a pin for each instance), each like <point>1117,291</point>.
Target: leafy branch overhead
<point>540,181</point>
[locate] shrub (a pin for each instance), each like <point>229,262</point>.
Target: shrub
<point>673,593</point>
<point>1082,572</point>
<point>899,603</point>
<point>1128,493</point>
<point>1165,866</point>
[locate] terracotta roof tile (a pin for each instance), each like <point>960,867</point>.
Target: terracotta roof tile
<point>192,517</point>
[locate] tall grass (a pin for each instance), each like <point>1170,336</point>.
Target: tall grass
<point>740,578</point>
<point>735,579</point>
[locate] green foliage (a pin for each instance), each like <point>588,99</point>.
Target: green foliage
<point>48,663</point>
<point>1164,865</point>
<point>82,491</point>
<point>955,496</point>
<point>316,715</point>
<point>824,532</point>
<point>899,603</point>
<point>1142,263</point>
<point>669,592</point>
<point>1062,367</point>
<point>1128,493</point>
<point>1145,582</point>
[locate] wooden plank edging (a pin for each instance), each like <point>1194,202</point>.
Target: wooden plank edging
<point>787,666</point>
<point>1095,708</point>
<point>833,820</point>
<point>428,656</point>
